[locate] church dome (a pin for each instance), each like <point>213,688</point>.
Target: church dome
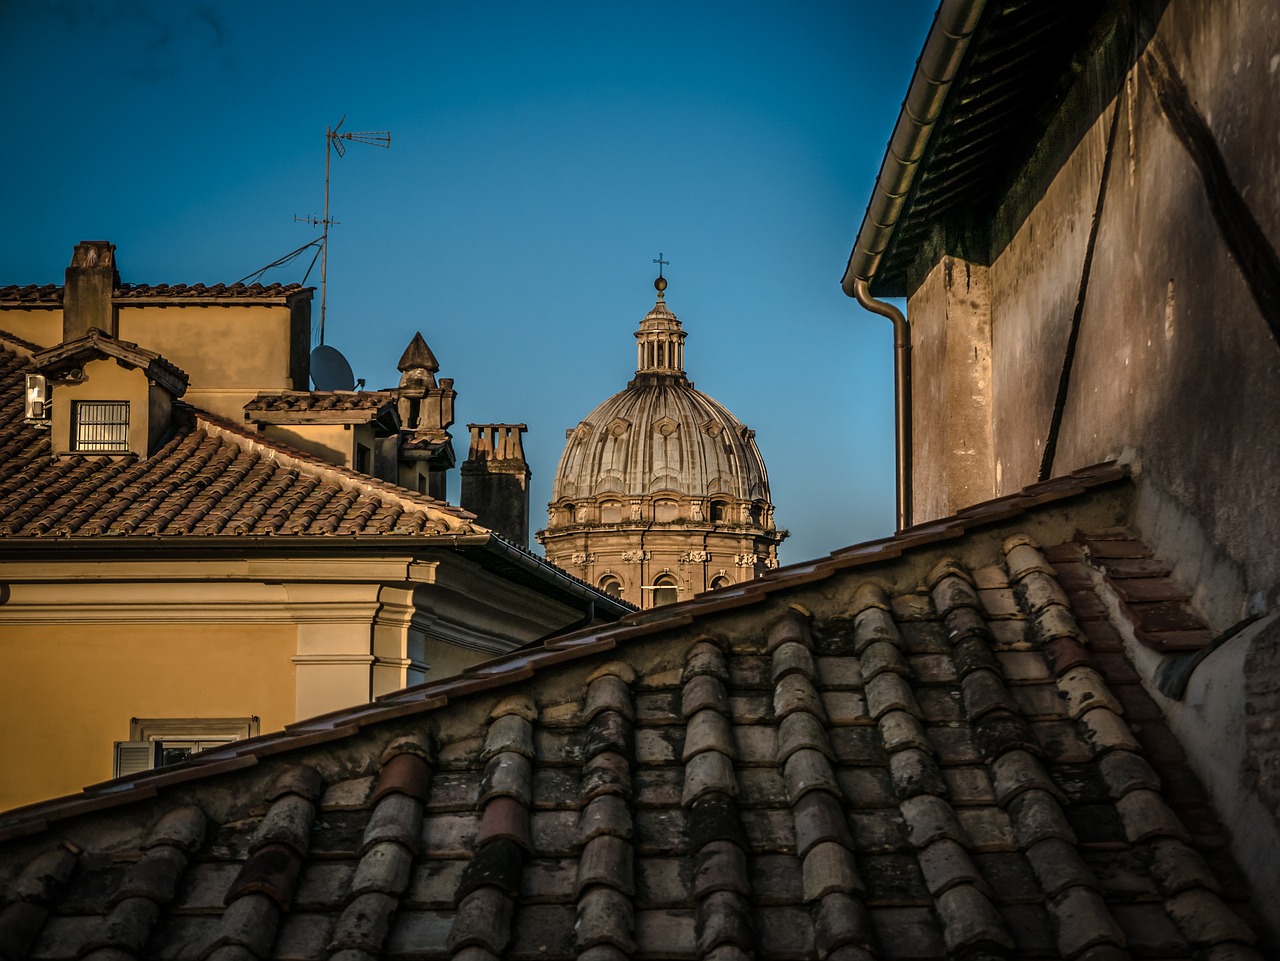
<point>661,493</point>
<point>660,434</point>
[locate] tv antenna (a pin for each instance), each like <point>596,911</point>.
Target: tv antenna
<point>333,141</point>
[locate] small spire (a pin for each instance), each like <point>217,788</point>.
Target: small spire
<point>418,356</point>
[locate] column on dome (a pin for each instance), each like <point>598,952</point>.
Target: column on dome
<point>661,339</point>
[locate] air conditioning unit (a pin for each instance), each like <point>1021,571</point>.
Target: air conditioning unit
<point>38,400</point>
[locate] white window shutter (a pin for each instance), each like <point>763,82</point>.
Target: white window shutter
<point>135,756</point>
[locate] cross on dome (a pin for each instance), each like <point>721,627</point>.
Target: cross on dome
<point>660,284</point>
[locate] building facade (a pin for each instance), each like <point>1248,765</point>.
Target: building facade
<point>173,577</point>
<point>1037,727</point>
<point>661,492</point>
<point>1079,204</point>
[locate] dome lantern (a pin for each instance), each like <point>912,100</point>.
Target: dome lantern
<point>660,341</point>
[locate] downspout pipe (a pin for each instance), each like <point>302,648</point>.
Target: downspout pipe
<point>954,26</point>
<point>901,393</point>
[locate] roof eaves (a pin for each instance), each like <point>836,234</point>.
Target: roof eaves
<point>101,344</point>
<point>953,27</point>
<point>548,573</point>
<point>23,348</point>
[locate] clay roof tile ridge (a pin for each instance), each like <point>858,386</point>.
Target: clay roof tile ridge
<point>441,513</point>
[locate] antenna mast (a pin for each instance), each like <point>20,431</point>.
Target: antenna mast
<point>333,140</point>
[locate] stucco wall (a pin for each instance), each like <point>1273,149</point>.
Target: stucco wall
<point>332,443</point>
<point>67,693</point>
<point>42,327</point>
<point>205,341</point>
<point>105,380</point>
<point>209,344</point>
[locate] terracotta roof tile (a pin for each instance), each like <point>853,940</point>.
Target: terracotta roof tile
<point>321,401</point>
<point>210,478</point>
<point>51,294</point>
<point>892,777</point>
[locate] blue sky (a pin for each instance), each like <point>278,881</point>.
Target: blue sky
<point>542,156</point>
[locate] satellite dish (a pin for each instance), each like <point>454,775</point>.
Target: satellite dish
<point>330,370</point>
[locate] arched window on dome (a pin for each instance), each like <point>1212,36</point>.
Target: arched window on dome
<point>570,514</point>
<point>665,510</point>
<point>611,512</point>
<point>611,585</point>
<point>719,581</point>
<point>720,512</point>
<point>665,590</point>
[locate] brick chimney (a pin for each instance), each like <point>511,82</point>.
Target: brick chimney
<point>91,282</point>
<point>495,480</point>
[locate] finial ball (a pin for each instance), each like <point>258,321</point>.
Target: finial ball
<point>660,284</point>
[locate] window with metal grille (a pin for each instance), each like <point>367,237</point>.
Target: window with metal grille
<point>101,425</point>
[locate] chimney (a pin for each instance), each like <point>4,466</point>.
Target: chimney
<point>426,412</point>
<point>87,296</point>
<point>495,480</point>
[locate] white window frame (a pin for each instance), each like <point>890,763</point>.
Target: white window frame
<point>149,736</point>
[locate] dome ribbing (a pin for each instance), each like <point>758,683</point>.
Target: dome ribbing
<point>660,487</point>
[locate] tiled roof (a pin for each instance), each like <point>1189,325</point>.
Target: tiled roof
<point>31,294</point>
<point>321,401</point>
<point>211,477</point>
<point>51,294</point>
<point>927,747</point>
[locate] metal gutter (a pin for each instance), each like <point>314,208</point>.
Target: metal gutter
<point>602,603</point>
<point>939,64</point>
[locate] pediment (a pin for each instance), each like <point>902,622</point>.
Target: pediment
<point>666,426</point>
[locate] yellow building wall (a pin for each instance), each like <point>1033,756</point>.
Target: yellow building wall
<point>212,343</point>
<point>333,443</point>
<point>42,327</point>
<point>206,341</point>
<point>109,381</point>
<point>68,692</point>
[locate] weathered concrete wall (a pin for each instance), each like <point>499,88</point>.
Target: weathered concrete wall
<point>928,312</point>
<point>1175,360</point>
<point>1177,363</point>
<point>1034,285</point>
<point>951,389</point>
